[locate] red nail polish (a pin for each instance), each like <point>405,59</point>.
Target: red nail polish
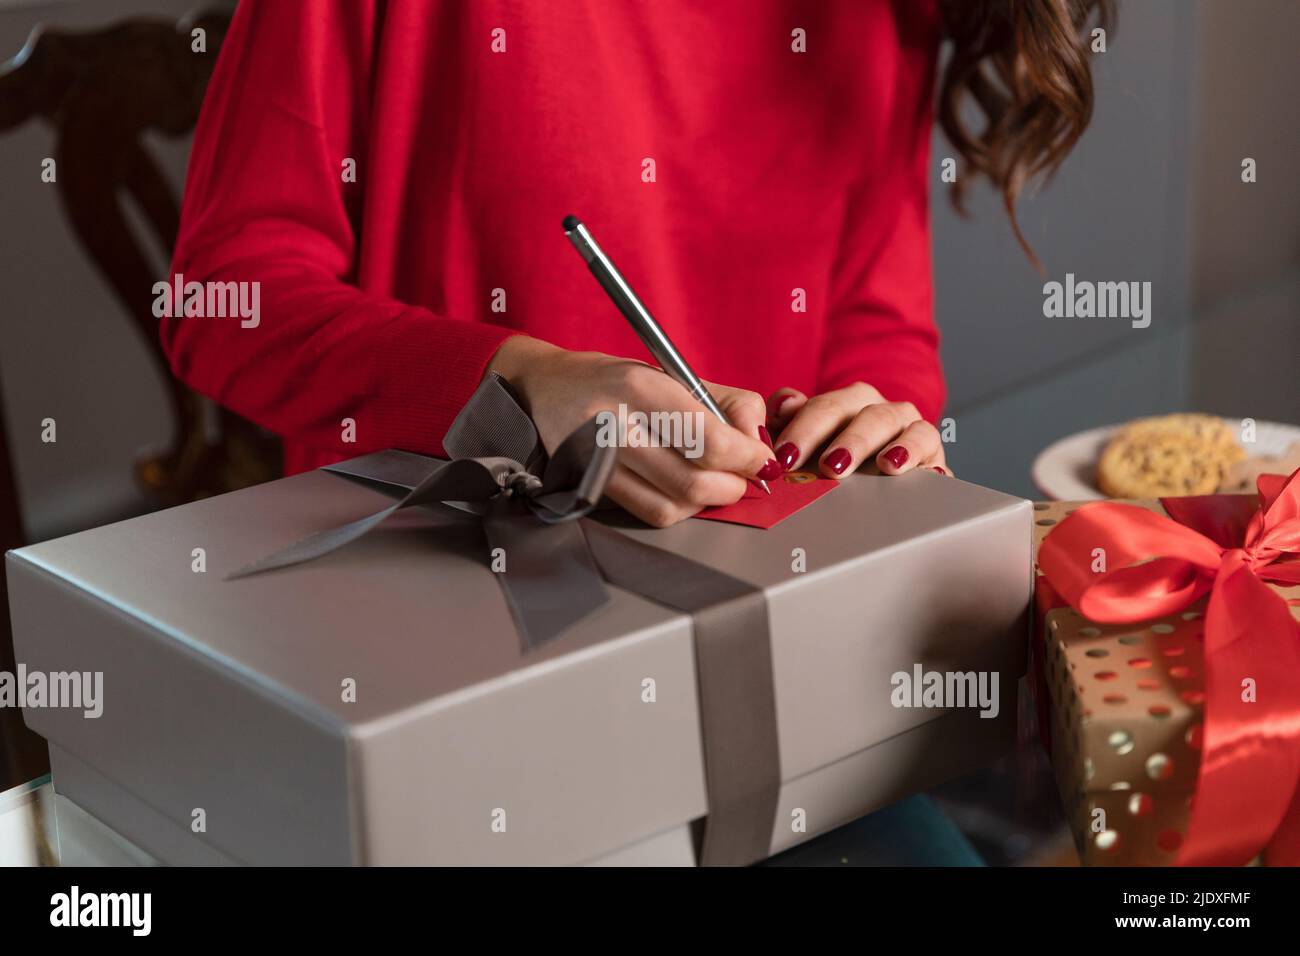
<point>896,456</point>
<point>787,455</point>
<point>766,435</point>
<point>771,469</point>
<point>838,460</point>
<point>940,470</point>
<point>774,405</point>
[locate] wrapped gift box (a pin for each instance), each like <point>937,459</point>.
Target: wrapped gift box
<point>229,735</point>
<point>1125,705</point>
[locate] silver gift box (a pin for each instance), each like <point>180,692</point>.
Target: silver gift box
<point>228,735</point>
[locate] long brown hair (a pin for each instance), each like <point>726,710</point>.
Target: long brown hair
<point>1025,65</point>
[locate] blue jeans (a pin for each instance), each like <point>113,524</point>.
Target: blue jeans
<point>912,832</point>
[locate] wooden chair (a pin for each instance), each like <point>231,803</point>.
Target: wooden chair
<point>100,92</point>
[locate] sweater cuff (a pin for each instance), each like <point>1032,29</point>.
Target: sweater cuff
<point>427,373</point>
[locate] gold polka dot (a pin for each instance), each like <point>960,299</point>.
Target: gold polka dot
<point>1159,767</point>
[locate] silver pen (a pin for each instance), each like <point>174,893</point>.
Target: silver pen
<point>639,317</point>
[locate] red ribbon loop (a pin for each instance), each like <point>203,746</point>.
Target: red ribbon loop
<point>1120,564</point>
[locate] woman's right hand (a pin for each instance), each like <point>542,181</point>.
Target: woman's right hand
<point>660,485</point>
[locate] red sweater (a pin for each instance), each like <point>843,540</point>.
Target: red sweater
<point>721,169</point>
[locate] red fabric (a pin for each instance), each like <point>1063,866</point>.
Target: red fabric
<point>775,170</point>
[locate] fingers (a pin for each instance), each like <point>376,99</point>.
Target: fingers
<point>748,415</point>
<point>720,447</point>
<point>662,481</point>
<point>663,485</point>
<point>644,501</point>
<point>917,446</point>
<point>745,409</point>
<point>681,481</point>
<point>817,420</point>
<point>869,432</point>
<point>782,405</point>
<point>725,449</point>
<point>852,425</point>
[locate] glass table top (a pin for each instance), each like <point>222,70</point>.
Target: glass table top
<point>39,827</point>
<point>28,836</point>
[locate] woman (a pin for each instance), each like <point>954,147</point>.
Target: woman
<point>393,175</point>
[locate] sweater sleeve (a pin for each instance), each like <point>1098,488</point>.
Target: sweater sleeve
<point>266,203</point>
<point>881,328</point>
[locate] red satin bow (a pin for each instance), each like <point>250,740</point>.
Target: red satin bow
<point>1248,792</point>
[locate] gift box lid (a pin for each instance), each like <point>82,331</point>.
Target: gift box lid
<point>920,570</point>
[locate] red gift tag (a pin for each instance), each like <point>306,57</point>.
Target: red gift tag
<point>792,492</point>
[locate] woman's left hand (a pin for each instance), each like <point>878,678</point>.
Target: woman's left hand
<point>853,425</point>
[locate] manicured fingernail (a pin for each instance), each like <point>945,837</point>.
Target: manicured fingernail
<point>787,455</point>
<point>771,469</point>
<point>766,435</point>
<point>838,460</point>
<point>774,405</point>
<point>940,470</point>
<point>896,456</point>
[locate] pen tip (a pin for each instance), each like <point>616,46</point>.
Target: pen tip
<point>571,223</point>
<point>763,484</point>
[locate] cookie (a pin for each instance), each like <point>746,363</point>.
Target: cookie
<point>1213,431</point>
<point>1154,463</point>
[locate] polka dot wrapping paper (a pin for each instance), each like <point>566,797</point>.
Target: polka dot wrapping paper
<point>1124,706</point>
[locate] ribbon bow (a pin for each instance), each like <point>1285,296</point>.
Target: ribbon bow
<point>498,471</point>
<point>1248,791</point>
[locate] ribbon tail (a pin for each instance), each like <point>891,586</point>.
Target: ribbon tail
<point>733,667</point>
<point>1250,766</point>
<point>314,546</point>
<point>466,480</point>
<point>389,472</point>
<point>1285,573</point>
<point>550,581</point>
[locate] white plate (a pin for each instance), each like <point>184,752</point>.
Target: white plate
<point>1067,470</point>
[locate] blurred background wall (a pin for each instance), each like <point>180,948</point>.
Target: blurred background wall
<point>1153,193</point>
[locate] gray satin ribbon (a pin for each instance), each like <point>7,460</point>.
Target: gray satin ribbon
<point>733,667</point>
<point>512,485</point>
<point>534,507</point>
